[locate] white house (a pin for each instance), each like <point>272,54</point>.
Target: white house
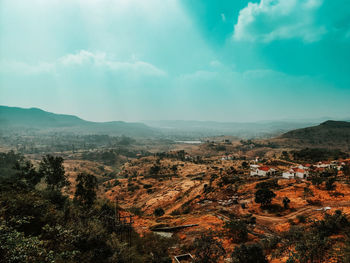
<point>295,172</point>
<point>261,171</point>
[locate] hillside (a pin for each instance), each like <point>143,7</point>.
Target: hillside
<point>333,134</point>
<point>34,119</point>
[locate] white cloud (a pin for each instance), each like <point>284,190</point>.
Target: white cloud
<point>279,19</point>
<point>82,60</point>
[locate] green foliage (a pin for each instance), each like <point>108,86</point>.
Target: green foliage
<point>264,197</point>
<point>207,248</point>
<point>51,168</point>
<point>301,218</point>
<point>14,167</point>
<point>311,248</point>
<point>330,183</point>
<point>237,230</point>
<point>155,248</point>
<point>331,224</point>
<point>271,183</point>
<point>15,247</point>
<point>317,154</point>
<point>154,170</point>
<point>85,193</point>
<point>252,253</point>
<point>136,211</point>
<point>159,211</point>
<point>45,226</point>
<point>317,180</point>
<point>313,244</point>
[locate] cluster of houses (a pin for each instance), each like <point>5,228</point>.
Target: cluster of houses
<point>298,171</point>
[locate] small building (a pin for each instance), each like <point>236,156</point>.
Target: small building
<point>262,171</point>
<point>295,172</point>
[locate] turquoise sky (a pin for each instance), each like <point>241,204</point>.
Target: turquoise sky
<point>131,60</point>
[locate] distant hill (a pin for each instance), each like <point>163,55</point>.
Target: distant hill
<point>262,129</point>
<point>37,120</point>
<point>331,134</point>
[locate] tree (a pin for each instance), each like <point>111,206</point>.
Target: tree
<point>51,168</point>
<point>207,248</point>
<point>330,183</point>
<point>237,230</point>
<point>264,197</point>
<point>174,168</point>
<point>245,165</point>
<point>159,211</point>
<point>271,183</point>
<point>317,180</point>
<point>154,170</point>
<point>286,202</point>
<point>85,193</point>
<point>29,173</point>
<point>346,170</point>
<point>252,253</point>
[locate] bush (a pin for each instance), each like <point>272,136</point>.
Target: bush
<point>252,253</point>
<point>147,186</point>
<point>330,183</point>
<point>237,230</point>
<point>272,183</point>
<point>264,197</point>
<point>207,248</point>
<point>301,218</point>
<point>159,211</point>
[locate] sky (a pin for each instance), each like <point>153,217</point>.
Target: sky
<point>135,60</point>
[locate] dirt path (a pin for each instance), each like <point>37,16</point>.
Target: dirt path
<point>270,220</point>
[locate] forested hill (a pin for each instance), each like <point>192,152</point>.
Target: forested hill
<point>329,133</point>
<point>34,119</point>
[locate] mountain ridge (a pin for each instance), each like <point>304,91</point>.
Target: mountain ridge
<point>39,120</point>
<point>331,133</point>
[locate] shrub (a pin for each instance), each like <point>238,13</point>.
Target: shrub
<point>264,197</point>
<point>207,248</point>
<point>159,211</point>
<point>237,230</point>
<point>272,183</point>
<point>301,218</point>
<point>252,253</point>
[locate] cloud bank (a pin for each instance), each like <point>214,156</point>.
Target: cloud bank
<point>80,60</point>
<point>308,20</point>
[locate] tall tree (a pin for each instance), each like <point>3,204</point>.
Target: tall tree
<point>51,168</point>
<point>85,193</point>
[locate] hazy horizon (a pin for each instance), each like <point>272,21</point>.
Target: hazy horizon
<point>227,61</point>
<point>156,121</point>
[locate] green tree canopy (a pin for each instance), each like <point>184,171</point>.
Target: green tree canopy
<point>51,168</point>
<point>85,193</point>
<point>252,253</point>
<point>264,197</point>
